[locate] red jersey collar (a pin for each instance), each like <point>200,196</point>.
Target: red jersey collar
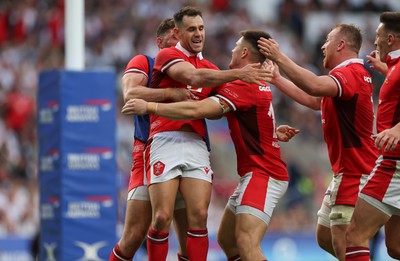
<point>393,55</point>
<point>187,53</point>
<point>349,61</point>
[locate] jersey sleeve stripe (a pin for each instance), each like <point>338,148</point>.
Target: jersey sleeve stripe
<point>166,66</point>
<point>338,85</point>
<point>135,70</point>
<point>231,104</point>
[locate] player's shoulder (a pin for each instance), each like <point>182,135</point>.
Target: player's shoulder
<point>169,51</point>
<point>139,62</point>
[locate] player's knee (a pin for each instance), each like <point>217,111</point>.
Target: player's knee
<point>198,218</point>
<point>162,220</point>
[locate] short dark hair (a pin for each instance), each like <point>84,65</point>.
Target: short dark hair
<point>166,25</point>
<point>251,37</point>
<point>391,21</point>
<point>352,34</point>
<point>186,11</point>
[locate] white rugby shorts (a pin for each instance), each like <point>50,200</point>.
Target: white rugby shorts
<point>257,195</point>
<point>177,154</point>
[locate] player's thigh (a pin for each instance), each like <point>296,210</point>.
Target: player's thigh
<point>324,236</point>
<point>366,221</point>
<point>138,215</point>
<point>163,195</point>
<point>196,193</point>
<point>392,232</point>
<point>226,233</point>
<point>250,227</point>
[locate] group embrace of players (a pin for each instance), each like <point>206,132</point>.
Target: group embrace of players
<point>171,177</point>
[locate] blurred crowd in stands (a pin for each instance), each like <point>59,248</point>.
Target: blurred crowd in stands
<point>32,40</point>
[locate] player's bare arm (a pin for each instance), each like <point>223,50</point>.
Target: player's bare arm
<point>291,90</point>
<point>286,132</point>
<point>320,86</point>
<point>207,108</point>
<point>134,87</point>
<point>186,73</point>
<point>388,138</point>
<point>375,63</point>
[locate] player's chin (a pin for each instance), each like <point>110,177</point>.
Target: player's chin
<point>197,47</point>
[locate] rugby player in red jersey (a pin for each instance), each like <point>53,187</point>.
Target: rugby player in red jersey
<point>263,175</point>
<point>378,202</point>
<point>344,97</point>
<point>135,82</point>
<point>177,156</point>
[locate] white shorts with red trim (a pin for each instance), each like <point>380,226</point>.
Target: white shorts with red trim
<point>177,154</point>
<point>138,175</point>
<point>257,195</point>
<point>347,189</point>
<point>384,183</point>
<point>142,193</point>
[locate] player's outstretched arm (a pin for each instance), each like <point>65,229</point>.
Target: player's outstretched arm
<point>291,90</point>
<point>134,87</point>
<point>320,86</point>
<point>186,73</point>
<point>207,108</point>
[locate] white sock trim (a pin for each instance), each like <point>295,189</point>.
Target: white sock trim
<point>115,254</point>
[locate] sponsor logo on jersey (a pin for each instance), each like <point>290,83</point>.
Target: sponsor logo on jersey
<point>275,144</point>
<point>206,170</point>
<point>158,168</point>
<point>264,88</point>
<point>367,79</point>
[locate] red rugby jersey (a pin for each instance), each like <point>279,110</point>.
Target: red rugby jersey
<point>252,126</point>
<point>164,59</point>
<point>138,64</point>
<point>388,114</point>
<point>347,120</point>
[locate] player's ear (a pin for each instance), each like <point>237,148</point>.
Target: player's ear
<point>159,42</point>
<point>341,45</point>
<point>245,52</point>
<point>391,38</point>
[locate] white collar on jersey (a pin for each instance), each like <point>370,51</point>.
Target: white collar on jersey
<point>187,53</point>
<point>349,61</point>
<point>394,54</point>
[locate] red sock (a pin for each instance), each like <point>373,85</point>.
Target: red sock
<point>357,253</point>
<point>234,258</point>
<point>116,255</point>
<point>197,244</point>
<point>182,258</point>
<point>157,245</point>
